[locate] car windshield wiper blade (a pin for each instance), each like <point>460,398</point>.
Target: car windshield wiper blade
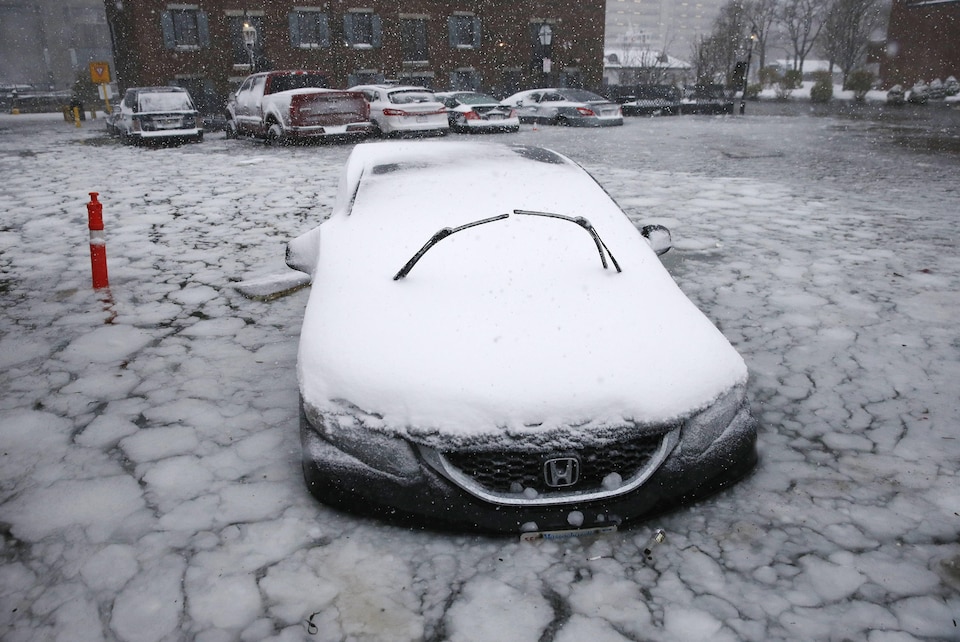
<point>439,236</point>
<point>585,224</point>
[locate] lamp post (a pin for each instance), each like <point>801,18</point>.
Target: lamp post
<point>545,35</point>
<point>746,72</point>
<point>249,40</point>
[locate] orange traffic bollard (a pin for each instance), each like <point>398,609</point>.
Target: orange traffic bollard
<point>98,244</point>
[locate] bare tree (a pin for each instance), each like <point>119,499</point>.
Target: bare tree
<point>801,23</point>
<point>717,53</point>
<point>761,14</point>
<point>846,32</point>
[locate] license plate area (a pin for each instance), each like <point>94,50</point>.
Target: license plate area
<point>567,534</point>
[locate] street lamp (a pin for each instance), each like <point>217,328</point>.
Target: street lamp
<point>249,40</point>
<point>754,37</point>
<point>545,35</point>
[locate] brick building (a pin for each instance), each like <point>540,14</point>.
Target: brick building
<point>442,44</point>
<point>923,42</point>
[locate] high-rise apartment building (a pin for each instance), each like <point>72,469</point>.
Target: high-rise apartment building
<point>669,26</point>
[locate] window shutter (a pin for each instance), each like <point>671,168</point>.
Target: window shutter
<point>476,33</point>
<point>377,36</point>
<point>203,28</point>
<point>323,30</point>
<point>452,30</point>
<point>166,23</point>
<point>293,20</point>
<point>348,28</point>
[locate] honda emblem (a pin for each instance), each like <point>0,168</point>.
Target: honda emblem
<point>560,472</point>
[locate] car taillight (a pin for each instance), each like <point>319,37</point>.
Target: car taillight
<point>471,115</point>
<point>584,111</point>
<point>513,113</point>
<point>393,112</point>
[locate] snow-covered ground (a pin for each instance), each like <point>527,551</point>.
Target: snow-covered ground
<point>150,482</point>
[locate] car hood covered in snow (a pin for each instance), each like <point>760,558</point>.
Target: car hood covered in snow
<point>510,325</point>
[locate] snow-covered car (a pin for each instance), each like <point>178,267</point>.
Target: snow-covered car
<point>471,111</point>
<point>156,114</point>
<point>290,105</point>
<point>401,109</point>
<point>565,106</point>
<point>504,358</point>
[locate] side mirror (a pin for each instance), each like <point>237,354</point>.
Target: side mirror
<point>303,251</point>
<point>658,237</point>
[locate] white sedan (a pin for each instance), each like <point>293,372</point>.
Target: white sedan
<point>399,109</point>
<point>505,355</point>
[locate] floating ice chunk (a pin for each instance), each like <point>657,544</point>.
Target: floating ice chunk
<point>273,285</point>
<point>575,519</point>
<point>612,481</point>
<point>109,343</point>
<point>530,493</point>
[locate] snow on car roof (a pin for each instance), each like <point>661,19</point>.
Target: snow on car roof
<point>513,323</point>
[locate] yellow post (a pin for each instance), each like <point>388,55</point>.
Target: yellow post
<point>76,116</point>
<point>106,100</point>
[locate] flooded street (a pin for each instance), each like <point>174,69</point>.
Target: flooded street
<point>151,490</point>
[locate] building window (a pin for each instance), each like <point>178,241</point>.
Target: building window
<point>361,29</point>
<point>418,79</point>
<point>413,39</point>
<point>464,80</point>
<point>464,31</point>
<point>309,29</point>
<point>240,54</point>
<point>185,27</point>
<point>365,77</point>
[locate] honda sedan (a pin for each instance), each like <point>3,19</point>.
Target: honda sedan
<point>494,357</point>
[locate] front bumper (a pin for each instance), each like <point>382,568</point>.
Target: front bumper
<point>409,487</point>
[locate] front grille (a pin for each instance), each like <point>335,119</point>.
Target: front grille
<point>511,472</point>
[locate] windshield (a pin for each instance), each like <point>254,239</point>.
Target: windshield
<point>475,99</point>
<point>165,101</point>
<point>581,96</point>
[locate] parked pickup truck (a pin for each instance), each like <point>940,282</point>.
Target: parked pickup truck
<point>282,106</point>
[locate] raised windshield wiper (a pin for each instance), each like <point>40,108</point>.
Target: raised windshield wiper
<point>585,224</point>
<point>436,238</point>
<point>447,231</point>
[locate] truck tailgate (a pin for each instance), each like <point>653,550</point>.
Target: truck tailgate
<point>328,109</point>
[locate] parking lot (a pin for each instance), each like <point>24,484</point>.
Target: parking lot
<point>151,489</point>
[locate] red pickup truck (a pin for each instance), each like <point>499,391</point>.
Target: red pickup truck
<point>282,106</point>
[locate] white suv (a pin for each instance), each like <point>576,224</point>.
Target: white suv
<point>398,109</point>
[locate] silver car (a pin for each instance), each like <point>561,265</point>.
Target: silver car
<point>565,106</point>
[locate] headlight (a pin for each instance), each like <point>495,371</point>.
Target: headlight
<point>380,452</point>
<point>701,430</point>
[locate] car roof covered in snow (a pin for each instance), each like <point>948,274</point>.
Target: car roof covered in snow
<point>512,323</point>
